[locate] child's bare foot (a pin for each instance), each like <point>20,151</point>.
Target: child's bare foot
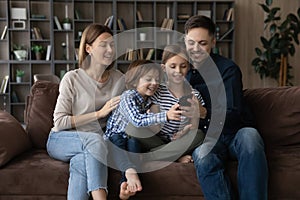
<point>124,192</point>
<point>185,159</point>
<point>133,181</point>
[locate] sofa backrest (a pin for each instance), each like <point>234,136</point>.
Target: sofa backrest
<point>277,115</point>
<point>39,112</point>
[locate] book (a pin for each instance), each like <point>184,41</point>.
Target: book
<point>48,52</point>
<point>106,21</point>
<point>164,23</point>
<point>226,33</point>
<point>109,21</point>
<point>167,23</point>
<point>139,15</point>
<point>14,97</point>
<point>140,54</point>
<point>4,33</point>
<point>150,54</point>
<point>206,13</point>
<point>37,33</point>
<point>183,16</point>
<point>32,34</point>
<point>121,24</point>
<point>4,84</point>
<point>77,14</point>
<point>57,23</point>
<point>230,15</point>
<point>170,23</point>
<point>225,14</point>
<point>38,16</point>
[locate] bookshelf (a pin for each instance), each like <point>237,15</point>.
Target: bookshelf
<point>130,17</point>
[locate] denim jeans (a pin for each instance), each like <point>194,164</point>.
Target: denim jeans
<point>86,153</point>
<point>247,147</point>
<point>119,153</point>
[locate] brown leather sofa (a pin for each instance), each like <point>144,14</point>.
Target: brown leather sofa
<point>27,172</point>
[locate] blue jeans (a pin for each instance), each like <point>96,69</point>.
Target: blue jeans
<point>248,148</point>
<point>86,153</point>
<point>121,157</point>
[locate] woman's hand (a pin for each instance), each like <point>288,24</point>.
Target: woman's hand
<point>108,107</point>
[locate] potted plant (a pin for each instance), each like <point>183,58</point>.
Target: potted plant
<point>38,50</point>
<point>20,52</point>
<point>143,34</point>
<point>19,75</point>
<point>67,23</point>
<point>272,58</point>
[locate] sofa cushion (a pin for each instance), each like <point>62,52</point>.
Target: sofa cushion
<point>39,112</point>
<point>34,173</point>
<point>277,115</point>
<point>13,138</point>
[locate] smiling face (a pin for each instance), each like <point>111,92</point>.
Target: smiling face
<point>148,83</point>
<point>176,69</point>
<point>102,50</point>
<point>199,43</point>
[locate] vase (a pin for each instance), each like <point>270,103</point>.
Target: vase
<point>142,36</point>
<point>20,54</point>
<point>19,79</point>
<point>38,56</point>
<point>67,26</point>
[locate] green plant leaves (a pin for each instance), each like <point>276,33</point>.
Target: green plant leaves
<point>265,8</point>
<point>280,42</point>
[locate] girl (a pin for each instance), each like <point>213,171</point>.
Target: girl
<point>142,80</point>
<point>172,140</point>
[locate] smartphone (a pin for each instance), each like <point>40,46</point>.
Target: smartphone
<point>183,100</point>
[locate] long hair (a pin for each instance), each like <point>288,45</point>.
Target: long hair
<point>176,50</point>
<point>89,35</point>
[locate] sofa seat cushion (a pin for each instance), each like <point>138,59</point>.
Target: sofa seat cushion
<point>277,115</point>
<point>176,179</point>
<point>34,173</point>
<point>284,176</point>
<point>13,138</point>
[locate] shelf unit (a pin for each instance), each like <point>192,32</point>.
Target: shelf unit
<point>40,14</point>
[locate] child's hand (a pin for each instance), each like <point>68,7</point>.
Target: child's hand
<point>193,110</point>
<point>174,113</point>
<point>181,133</point>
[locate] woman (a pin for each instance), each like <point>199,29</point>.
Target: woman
<point>87,96</point>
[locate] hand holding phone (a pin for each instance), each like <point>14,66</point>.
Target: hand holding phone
<point>183,100</point>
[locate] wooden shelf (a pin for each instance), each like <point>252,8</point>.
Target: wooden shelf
<point>85,12</point>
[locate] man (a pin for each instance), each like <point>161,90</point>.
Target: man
<point>236,141</point>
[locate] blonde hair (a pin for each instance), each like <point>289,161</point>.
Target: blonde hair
<point>173,50</point>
